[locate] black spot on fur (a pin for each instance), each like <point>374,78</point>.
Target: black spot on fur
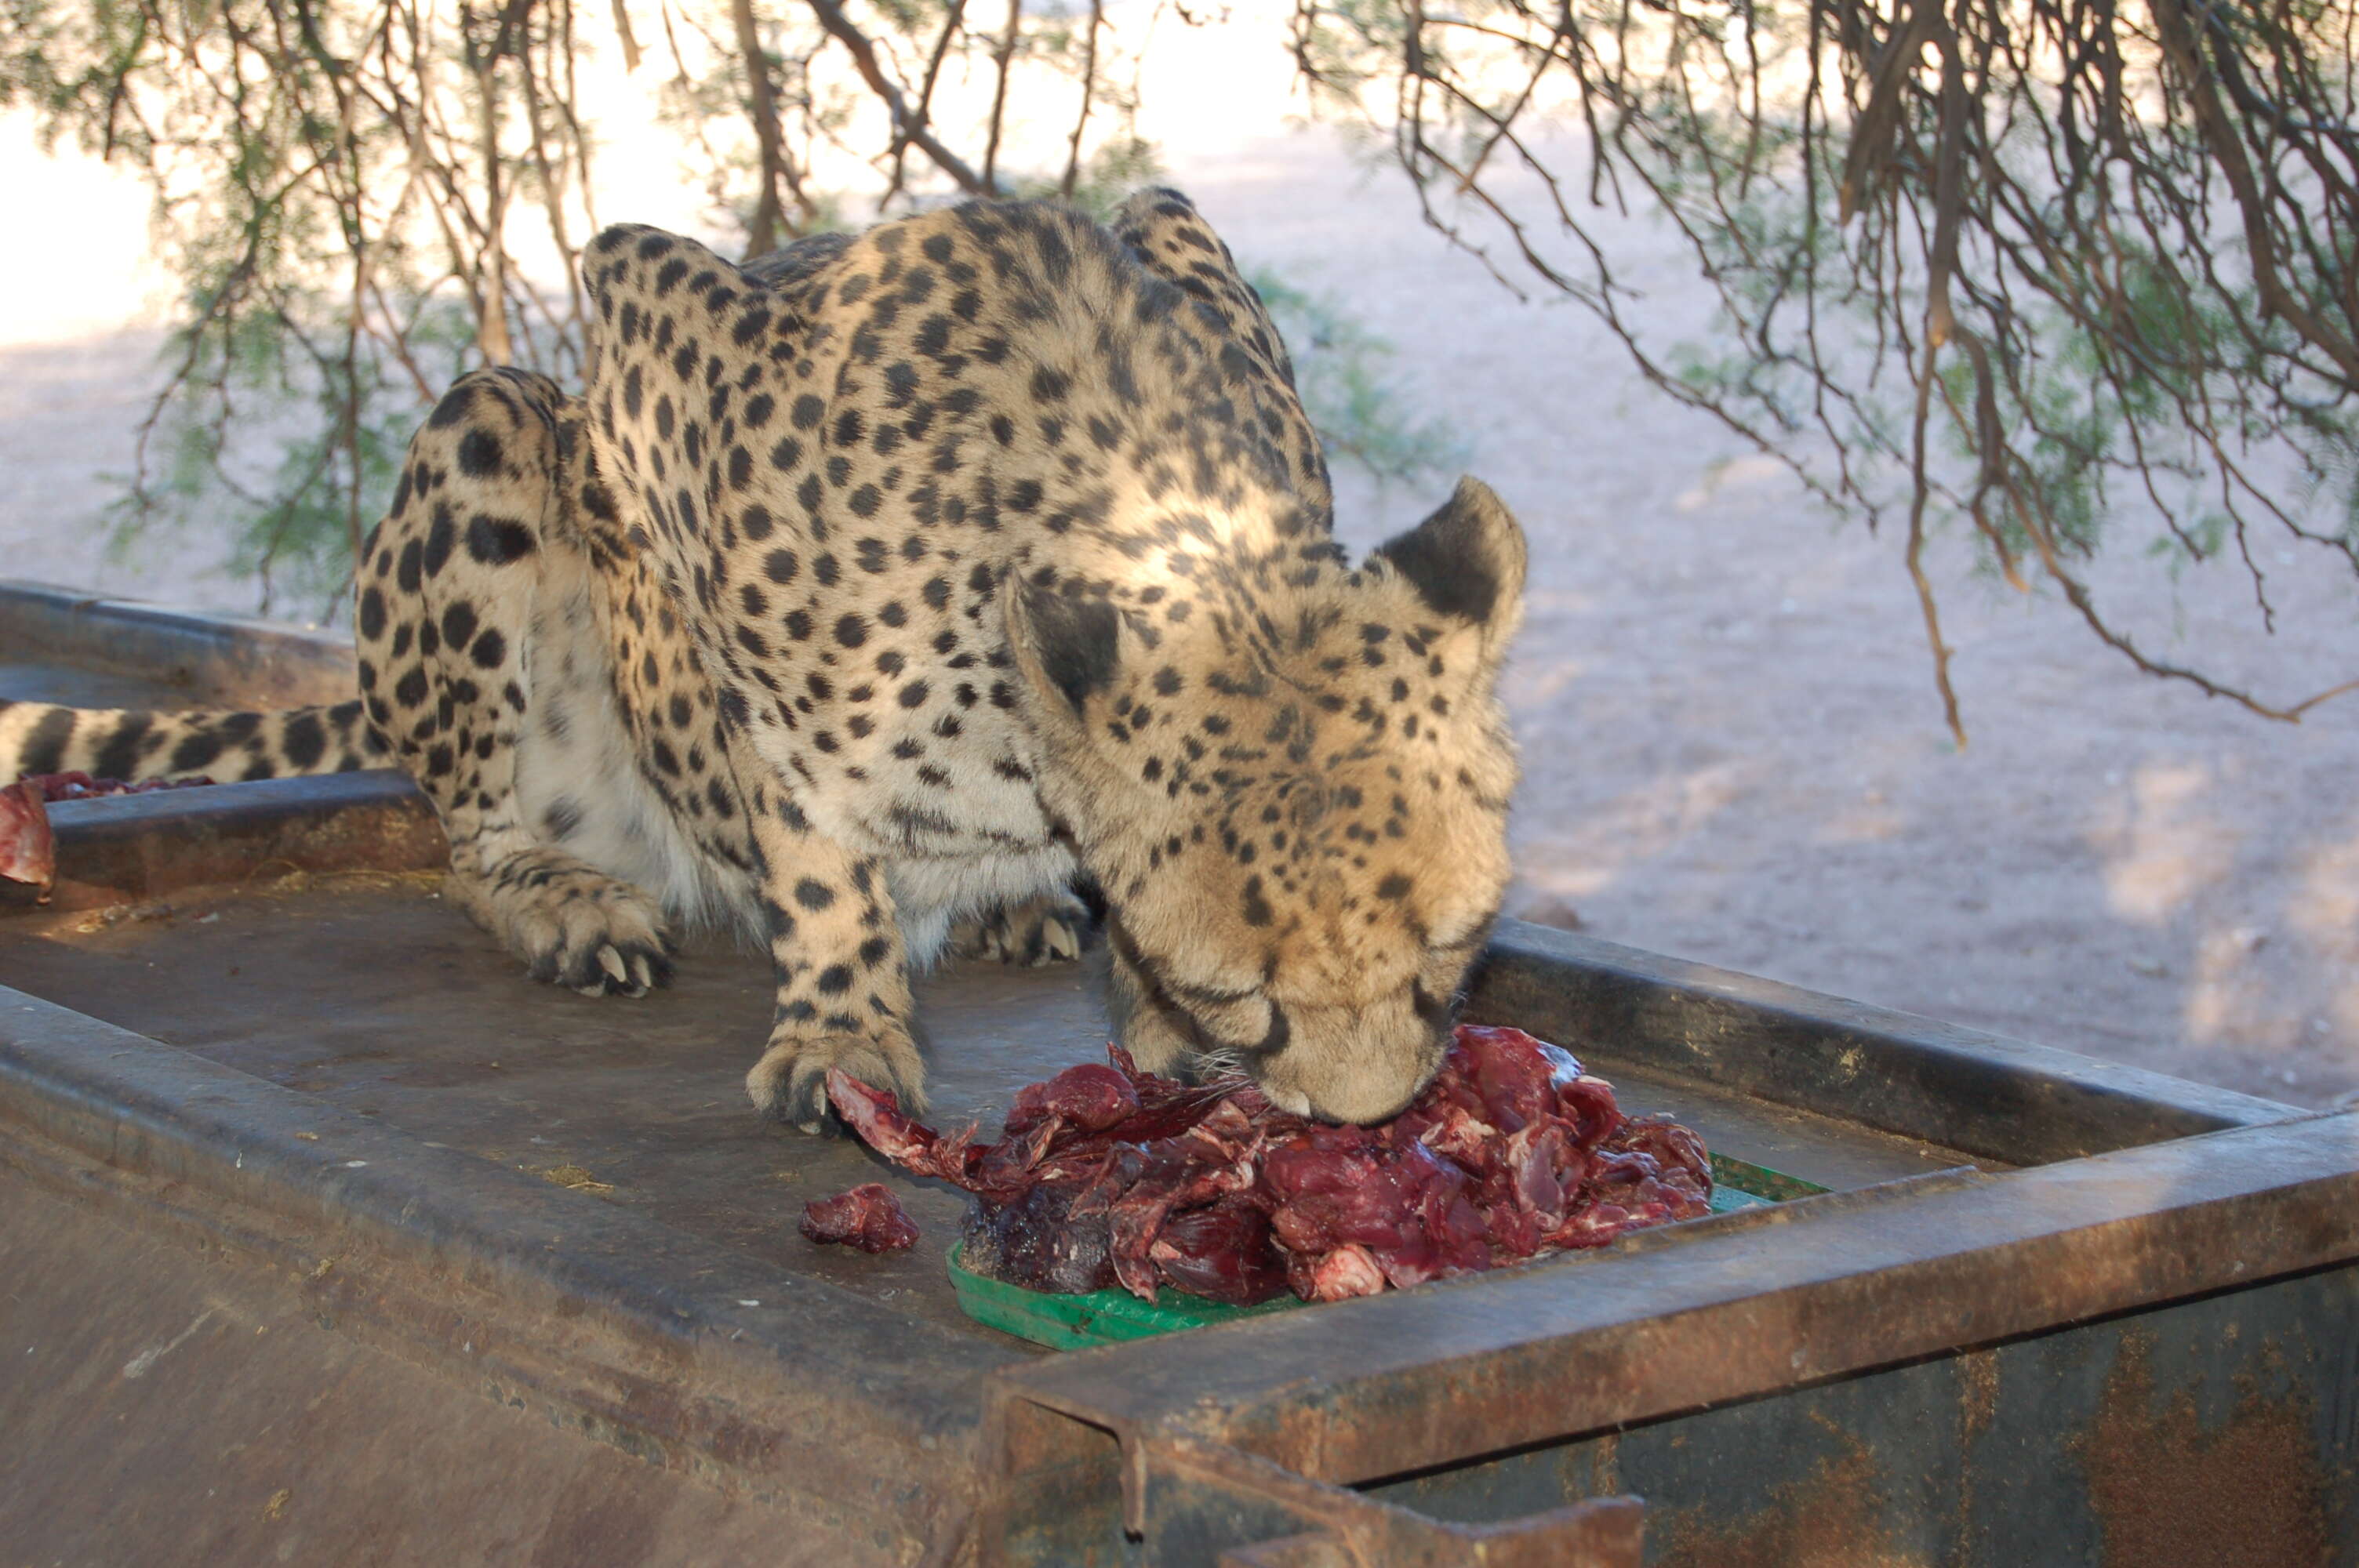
<point>194,754</point>
<point>456,406</point>
<point>498,541</point>
<point>120,754</point>
<point>1255,909</point>
<point>305,740</point>
<point>372,614</point>
<point>479,454</point>
<point>45,748</point>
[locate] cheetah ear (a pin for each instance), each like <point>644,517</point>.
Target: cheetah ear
<point>1069,649</point>
<point>1466,562</point>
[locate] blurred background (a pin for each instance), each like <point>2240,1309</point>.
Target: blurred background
<point>1934,427</point>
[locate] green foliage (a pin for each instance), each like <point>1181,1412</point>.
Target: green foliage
<point>342,189</point>
<point>2026,268</point>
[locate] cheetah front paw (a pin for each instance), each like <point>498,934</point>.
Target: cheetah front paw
<point>1047,928</point>
<point>572,926</point>
<point>790,1083</point>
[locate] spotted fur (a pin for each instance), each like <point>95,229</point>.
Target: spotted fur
<point>887,584</point>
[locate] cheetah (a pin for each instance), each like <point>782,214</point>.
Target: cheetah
<point>891,584</point>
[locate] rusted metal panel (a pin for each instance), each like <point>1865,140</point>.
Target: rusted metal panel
<point>1981,1094</point>
<point>621,1329</point>
<point>133,848</point>
<point>2217,1431</point>
<point>165,1405</point>
<point>216,661</point>
<point>1396,1382</point>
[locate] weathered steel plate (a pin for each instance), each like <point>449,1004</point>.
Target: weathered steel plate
<point>500,1239</point>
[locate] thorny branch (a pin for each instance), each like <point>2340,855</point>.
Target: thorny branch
<point>2110,243</point>
<point>343,185</point>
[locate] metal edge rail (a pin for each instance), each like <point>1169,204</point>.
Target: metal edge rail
<point>221,660</point>
<point>128,847</point>
<point>626,1330</point>
<point>1456,1372</point>
<point>1961,1088</point>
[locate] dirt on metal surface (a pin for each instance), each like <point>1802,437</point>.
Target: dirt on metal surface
<point>2168,1489</point>
<point>1832,1517</point>
<point>195,1406</point>
<point>374,993</point>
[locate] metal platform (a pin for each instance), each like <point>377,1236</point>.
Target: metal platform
<point>330,1237</point>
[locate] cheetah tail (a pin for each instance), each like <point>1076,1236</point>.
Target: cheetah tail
<point>215,744</point>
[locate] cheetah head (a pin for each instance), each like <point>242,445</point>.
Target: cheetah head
<point>1291,781</point>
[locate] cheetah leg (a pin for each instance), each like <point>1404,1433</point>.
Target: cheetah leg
<point>1047,928</point>
<point>462,612</point>
<point>843,979</point>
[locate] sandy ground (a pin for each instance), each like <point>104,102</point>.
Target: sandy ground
<point>1733,750</point>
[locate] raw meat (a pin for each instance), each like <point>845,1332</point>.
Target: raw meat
<point>55,787</point>
<point>868,1216</point>
<point>1107,1175</point>
<point>29,851</point>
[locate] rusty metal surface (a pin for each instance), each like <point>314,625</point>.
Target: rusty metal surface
<point>2217,1431</point>
<point>210,660</point>
<point>165,1404</point>
<point>133,848</point>
<point>694,1357</point>
<point>379,997</point>
<point>1982,1094</point>
<point>1195,1491</point>
<point>28,679</point>
<point>1390,1384</point>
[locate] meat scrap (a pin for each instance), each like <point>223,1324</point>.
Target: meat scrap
<point>1106,1176</point>
<point>868,1216</point>
<point>29,851</point>
<point>55,787</point>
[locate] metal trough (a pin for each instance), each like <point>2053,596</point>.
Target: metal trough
<point>326,1235</point>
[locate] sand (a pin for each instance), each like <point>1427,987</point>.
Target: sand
<point>1732,749</point>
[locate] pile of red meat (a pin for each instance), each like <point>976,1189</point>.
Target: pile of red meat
<point>27,849</point>
<point>1107,1175</point>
